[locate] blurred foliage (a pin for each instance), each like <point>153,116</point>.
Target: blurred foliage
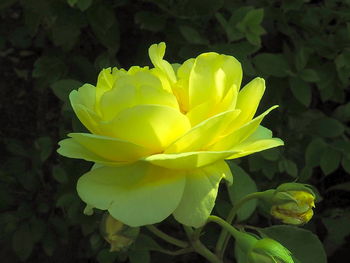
<point>48,48</point>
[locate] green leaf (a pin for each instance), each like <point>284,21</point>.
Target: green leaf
<point>59,174</point>
<point>309,75</point>
<point>63,87</point>
<point>105,26</point>
<point>301,58</point>
<point>314,151</point>
<point>289,167</point>
<point>150,21</point>
<point>72,2</point>
<point>304,245</point>
<point>192,35</point>
<point>327,127</point>
<point>139,256</point>
<point>330,161</point>
<point>271,64</point>
<point>84,4</point>
<point>22,242</point>
<point>250,25</point>
<point>65,35</point>
<point>106,256</point>
<point>48,68</point>
<point>44,144</point>
<point>242,185</point>
<point>301,91</point>
<point>338,229</point>
<point>271,154</point>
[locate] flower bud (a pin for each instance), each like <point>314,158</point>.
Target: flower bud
<point>118,235</point>
<point>267,250</point>
<point>263,250</point>
<point>292,203</point>
<point>297,211</point>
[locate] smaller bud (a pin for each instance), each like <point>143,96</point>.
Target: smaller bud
<point>291,203</point>
<point>267,250</point>
<point>296,212</point>
<point>118,235</point>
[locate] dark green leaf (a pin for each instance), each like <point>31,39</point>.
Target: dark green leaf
<point>327,127</point>
<point>304,245</point>
<point>271,64</point>
<point>63,87</point>
<point>22,242</point>
<point>330,161</point>
<point>242,185</point>
<point>301,91</point>
<point>314,151</point>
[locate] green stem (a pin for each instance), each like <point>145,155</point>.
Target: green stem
<point>224,236</point>
<point>199,247</point>
<point>167,238</point>
<point>244,240</point>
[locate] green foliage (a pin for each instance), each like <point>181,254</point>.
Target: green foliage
<point>48,48</point>
<point>304,245</point>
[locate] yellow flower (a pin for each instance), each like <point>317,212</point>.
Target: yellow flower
<point>297,211</point>
<point>159,136</point>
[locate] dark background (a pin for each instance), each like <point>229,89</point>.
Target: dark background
<point>49,47</point>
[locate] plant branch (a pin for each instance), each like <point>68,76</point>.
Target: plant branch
<point>199,247</point>
<point>167,238</point>
<point>224,235</point>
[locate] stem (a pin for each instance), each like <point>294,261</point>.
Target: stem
<point>167,238</point>
<point>244,240</point>
<point>224,236</point>
<point>199,247</point>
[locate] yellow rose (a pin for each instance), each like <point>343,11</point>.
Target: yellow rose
<point>159,136</point>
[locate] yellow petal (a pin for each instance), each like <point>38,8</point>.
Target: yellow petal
<point>72,149</point>
<point>88,118</point>
<point>188,160</point>
<point>137,194</point>
<point>142,87</point>
<point>151,126</point>
<point>156,53</point>
<point>212,75</point>
<point>109,148</point>
<point>248,100</point>
<point>85,95</point>
<point>240,134</point>
<point>105,82</point>
<point>253,147</point>
<point>200,193</point>
<point>204,134</point>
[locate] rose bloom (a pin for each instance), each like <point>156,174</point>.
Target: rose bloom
<point>159,136</point>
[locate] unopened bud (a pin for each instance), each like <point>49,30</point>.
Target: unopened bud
<point>291,203</point>
<point>118,235</point>
<point>267,250</point>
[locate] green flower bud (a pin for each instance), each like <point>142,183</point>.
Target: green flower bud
<point>267,250</point>
<point>118,235</point>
